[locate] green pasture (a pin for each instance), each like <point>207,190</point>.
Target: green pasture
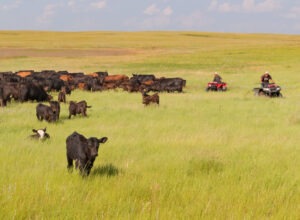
<point>197,156</point>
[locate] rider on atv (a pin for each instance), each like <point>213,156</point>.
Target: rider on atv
<point>217,78</point>
<point>265,80</point>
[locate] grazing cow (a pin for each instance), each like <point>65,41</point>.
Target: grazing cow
<point>62,97</point>
<point>55,108</point>
<point>32,91</point>
<point>44,112</point>
<point>84,151</point>
<point>78,108</point>
<point>40,134</point>
<point>148,99</point>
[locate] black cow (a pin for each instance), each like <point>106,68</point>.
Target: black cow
<point>31,91</point>
<point>141,78</point>
<point>10,90</point>
<point>55,108</point>
<point>44,112</point>
<point>84,151</point>
<point>78,108</point>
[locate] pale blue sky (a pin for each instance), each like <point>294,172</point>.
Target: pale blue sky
<point>246,16</point>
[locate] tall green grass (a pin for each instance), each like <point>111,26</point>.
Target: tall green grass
<point>197,156</point>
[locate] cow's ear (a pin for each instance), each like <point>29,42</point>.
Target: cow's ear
<point>34,131</point>
<point>102,140</point>
<point>44,129</point>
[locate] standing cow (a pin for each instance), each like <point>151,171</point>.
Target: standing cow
<point>55,108</point>
<point>78,108</point>
<point>84,151</point>
<point>44,112</point>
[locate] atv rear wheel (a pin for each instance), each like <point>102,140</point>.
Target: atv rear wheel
<point>207,89</point>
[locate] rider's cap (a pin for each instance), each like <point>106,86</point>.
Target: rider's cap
<point>267,72</point>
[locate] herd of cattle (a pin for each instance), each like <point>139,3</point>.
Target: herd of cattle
<point>30,85</point>
<point>25,86</point>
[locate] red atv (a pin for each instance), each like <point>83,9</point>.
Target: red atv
<point>216,86</point>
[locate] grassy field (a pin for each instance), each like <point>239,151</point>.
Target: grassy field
<point>197,156</point>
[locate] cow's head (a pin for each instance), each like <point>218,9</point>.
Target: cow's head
<point>52,116</point>
<point>93,145</point>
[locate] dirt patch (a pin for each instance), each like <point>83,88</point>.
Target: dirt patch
<point>12,52</point>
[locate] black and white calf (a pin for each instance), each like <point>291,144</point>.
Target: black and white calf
<point>84,151</point>
<point>40,134</point>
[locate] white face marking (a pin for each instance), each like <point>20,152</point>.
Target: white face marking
<point>41,133</point>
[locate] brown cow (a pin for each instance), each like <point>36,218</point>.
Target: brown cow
<point>78,108</point>
<point>66,78</point>
<point>24,74</point>
<point>148,99</point>
<point>83,86</point>
<point>116,78</point>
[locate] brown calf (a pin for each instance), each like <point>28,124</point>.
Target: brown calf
<point>149,99</point>
<point>78,108</point>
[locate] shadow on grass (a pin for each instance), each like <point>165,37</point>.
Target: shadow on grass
<point>106,170</point>
<point>204,166</point>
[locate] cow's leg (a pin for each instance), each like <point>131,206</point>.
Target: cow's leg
<point>83,113</point>
<point>82,168</point>
<point>76,164</point>
<point>70,164</point>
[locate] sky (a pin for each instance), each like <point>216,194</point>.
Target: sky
<point>240,16</point>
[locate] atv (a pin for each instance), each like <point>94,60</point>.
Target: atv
<point>270,90</point>
<point>216,86</point>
